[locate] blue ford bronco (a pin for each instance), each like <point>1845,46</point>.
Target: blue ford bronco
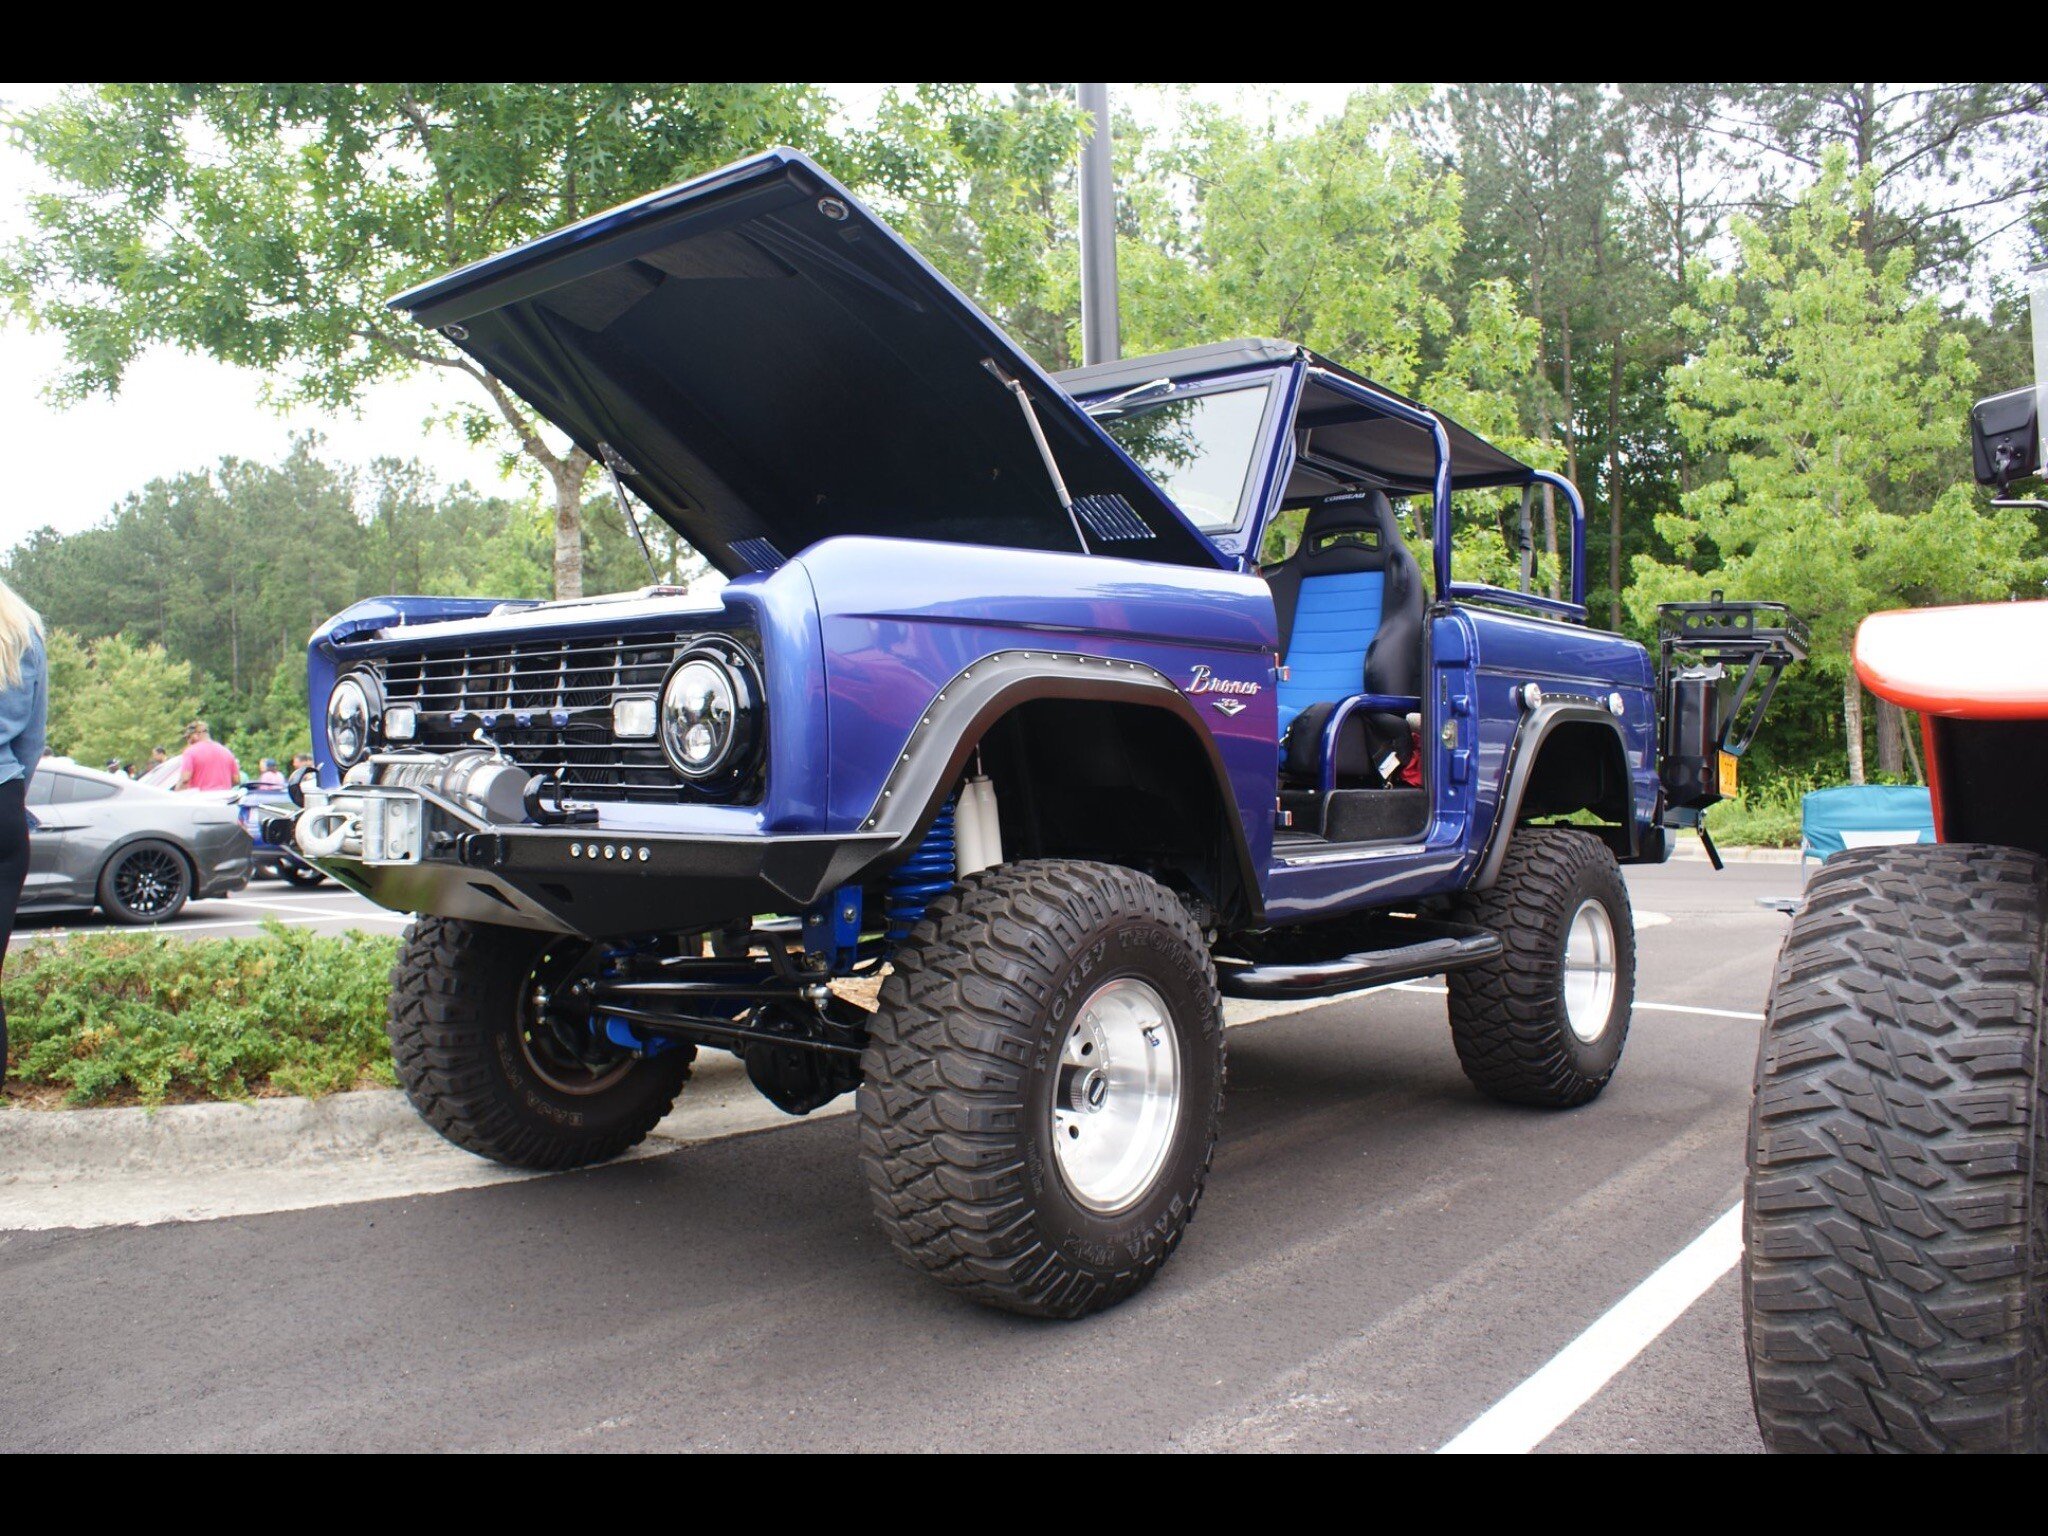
<point>998,709</point>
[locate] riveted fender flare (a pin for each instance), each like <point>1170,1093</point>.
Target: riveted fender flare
<point>1523,755</point>
<point>981,694</point>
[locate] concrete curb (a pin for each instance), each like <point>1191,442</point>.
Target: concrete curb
<point>196,1162</point>
<point>1689,848</point>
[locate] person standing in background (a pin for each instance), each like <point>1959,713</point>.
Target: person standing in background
<point>207,764</point>
<point>270,778</point>
<point>24,711</point>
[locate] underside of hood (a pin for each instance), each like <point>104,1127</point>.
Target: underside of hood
<point>771,365</point>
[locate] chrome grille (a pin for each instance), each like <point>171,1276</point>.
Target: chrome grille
<point>547,704</point>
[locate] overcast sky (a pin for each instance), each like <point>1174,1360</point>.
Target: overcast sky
<point>70,465</point>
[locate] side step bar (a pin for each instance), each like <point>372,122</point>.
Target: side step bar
<point>1431,949</point>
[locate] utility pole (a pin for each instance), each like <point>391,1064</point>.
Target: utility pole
<point>1101,341</point>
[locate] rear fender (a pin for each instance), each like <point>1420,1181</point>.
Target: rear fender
<point>1579,739</point>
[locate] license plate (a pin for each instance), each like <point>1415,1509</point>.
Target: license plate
<point>1728,788</point>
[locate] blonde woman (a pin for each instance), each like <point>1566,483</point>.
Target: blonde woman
<point>24,707</point>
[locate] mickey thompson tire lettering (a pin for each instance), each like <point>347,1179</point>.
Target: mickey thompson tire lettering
<point>1509,1019</point>
<point>1895,1270</point>
<point>963,1062</point>
<point>454,1027</point>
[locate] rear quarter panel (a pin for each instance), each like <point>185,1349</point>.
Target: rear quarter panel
<point>1512,650</point>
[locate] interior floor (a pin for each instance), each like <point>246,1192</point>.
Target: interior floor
<point>1353,815</point>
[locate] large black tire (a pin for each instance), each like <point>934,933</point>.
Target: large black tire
<point>1896,1222</point>
<point>145,882</point>
<point>964,1074</point>
<point>459,1027</point>
<point>1512,1018</point>
<point>291,870</point>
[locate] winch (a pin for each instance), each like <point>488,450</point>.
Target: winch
<point>357,821</point>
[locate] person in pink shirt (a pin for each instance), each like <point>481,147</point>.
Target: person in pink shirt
<point>207,764</point>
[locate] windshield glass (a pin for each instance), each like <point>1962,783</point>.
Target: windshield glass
<point>1198,449</point>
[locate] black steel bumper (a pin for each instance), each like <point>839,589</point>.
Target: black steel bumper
<point>589,881</point>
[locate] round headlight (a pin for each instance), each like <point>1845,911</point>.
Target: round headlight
<point>707,716</point>
<point>348,721</point>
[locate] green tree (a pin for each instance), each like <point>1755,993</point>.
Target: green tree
<point>117,699</point>
<point>1338,233</point>
<point>1833,401</point>
<point>267,225</point>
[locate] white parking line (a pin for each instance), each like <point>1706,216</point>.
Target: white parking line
<point>1438,989</point>
<point>374,914</point>
<point>1522,1420</point>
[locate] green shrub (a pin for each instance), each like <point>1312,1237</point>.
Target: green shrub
<point>127,1017</point>
<point>1766,815</point>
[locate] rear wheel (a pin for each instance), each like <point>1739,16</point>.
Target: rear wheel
<point>1895,1265</point>
<point>492,1061</point>
<point>1545,1022</point>
<point>145,882</point>
<point>1042,1086</point>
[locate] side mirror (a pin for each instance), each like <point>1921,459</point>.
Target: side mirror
<point>294,786</point>
<point>2005,438</point>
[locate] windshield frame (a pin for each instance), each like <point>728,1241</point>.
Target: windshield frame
<point>1254,488</point>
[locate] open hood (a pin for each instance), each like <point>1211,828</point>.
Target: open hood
<point>777,367</point>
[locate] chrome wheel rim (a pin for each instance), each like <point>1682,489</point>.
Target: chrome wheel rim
<point>1589,971</point>
<point>1116,1098</point>
<point>149,881</point>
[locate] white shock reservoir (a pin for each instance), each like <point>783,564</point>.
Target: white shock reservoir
<point>979,839</point>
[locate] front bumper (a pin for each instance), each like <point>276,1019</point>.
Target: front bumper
<point>416,851</point>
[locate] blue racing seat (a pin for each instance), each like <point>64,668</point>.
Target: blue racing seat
<point>1349,601</point>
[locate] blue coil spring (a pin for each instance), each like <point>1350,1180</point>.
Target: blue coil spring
<point>921,878</point>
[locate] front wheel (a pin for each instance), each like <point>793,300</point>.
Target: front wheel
<point>492,1062</point>
<point>1895,1254</point>
<point>1042,1086</point>
<point>1544,1022</point>
<point>146,882</point>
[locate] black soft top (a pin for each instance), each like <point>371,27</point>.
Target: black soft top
<point>1339,427</point>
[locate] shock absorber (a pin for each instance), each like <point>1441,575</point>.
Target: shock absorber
<point>919,879</point>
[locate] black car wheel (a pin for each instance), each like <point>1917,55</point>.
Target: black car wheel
<point>146,882</point>
<point>289,868</point>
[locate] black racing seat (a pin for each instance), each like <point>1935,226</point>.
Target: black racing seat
<point>1350,605</point>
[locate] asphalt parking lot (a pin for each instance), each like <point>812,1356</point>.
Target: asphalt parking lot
<point>1382,1261</point>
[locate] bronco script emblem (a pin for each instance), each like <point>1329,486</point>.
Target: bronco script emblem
<point>1206,681</point>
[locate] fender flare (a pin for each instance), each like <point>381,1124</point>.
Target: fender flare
<point>1523,755</point>
<point>981,694</point>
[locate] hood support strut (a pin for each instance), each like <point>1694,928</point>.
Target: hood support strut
<point>615,466</point>
<point>1052,468</point>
